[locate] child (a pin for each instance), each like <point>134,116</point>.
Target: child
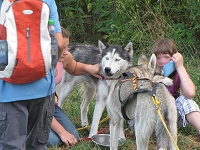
<point>165,50</point>
<point>62,128</point>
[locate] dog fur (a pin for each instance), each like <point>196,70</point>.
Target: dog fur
<point>113,60</point>
<point>141,108</point>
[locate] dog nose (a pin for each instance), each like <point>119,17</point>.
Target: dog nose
<point>107,69</point>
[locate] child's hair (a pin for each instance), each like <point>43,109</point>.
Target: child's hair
<point>65,33</point>
<point>164,46</point>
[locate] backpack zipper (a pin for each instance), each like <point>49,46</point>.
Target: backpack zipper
<point>28,43</point>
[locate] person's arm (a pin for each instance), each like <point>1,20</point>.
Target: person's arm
<point>60,41</point>
<point>78,68</point>
<point>64,135</point>
<point>187,86</point>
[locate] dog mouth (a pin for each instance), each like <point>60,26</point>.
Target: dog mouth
<point>108,71</point>
<point>109,74</point>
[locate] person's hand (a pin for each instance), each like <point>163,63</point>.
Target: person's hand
<point>94,70</point>
<point>178,60</point>
<point>68,138</point>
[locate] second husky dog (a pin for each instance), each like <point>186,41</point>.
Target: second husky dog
<point>141,108</point>
<point>113,60</point>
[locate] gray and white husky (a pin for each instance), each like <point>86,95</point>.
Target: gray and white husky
<point>113,60</point>
<point>140,107</point>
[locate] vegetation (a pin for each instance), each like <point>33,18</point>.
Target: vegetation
<point>187,137</point>
<point>142,22</point>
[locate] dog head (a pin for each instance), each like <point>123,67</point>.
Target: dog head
<point>145,68</point>
<point>148,69</point>
<point>115,59</point>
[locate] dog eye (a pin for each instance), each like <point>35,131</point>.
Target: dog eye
<point>107,58</point>
<point>117,59</point>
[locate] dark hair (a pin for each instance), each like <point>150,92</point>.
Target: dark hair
<point>164,46</point>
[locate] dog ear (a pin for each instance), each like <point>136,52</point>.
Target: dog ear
<point>143,59</point>
<point>129,47</point>
<point>129,50</point>
<point>152,62</point>
<point>101,46</point>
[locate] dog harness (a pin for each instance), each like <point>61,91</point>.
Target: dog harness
<point>128,76</point>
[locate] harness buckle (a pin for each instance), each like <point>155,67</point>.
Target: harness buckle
<point>155,100</point>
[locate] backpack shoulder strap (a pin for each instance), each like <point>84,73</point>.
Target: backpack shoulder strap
<point>5,5</point>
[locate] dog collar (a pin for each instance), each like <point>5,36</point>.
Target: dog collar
<point>104,78</point>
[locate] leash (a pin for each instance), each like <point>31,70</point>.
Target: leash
<point>86,127</point>
<point>157,103</point>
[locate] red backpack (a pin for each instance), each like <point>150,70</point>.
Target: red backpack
<point>28,39</point>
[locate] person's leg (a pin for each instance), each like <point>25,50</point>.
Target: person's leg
<point>54,139</point>
<point>65,121</point>
<point>189,111</point>
<point>13,125</point>
<point>39,122</point>
<point>194,119</point>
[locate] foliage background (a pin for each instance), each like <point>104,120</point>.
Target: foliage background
<point>120,21</point>
<point>142,22</point>
<point>139,21</point>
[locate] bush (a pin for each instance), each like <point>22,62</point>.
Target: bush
<point>141,22</point>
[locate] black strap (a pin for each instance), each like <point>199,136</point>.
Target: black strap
<point>123,103</point>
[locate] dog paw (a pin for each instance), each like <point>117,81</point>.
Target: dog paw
<point>165,80</point>
<point>85,123</point>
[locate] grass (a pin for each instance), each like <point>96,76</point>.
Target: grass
<point>187,137</point>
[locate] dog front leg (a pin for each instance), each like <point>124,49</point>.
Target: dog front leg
<point>121,129</point>
<point>116,128</point>
<point>98,110</point>
<point>100,104</point>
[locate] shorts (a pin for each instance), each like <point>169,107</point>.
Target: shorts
<point>26,124</point>
<point>185,106</point>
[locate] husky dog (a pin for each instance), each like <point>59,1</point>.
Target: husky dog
<point>113,60</point>
<point>141,108</point>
